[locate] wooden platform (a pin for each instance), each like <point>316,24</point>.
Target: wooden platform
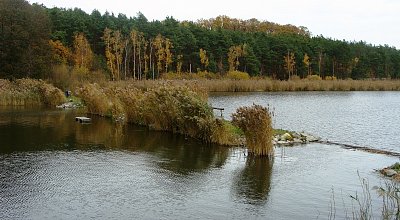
<point>83,119</point>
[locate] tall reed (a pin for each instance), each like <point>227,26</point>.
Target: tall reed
<point>163,107</point>
<point>29,92</point>
<point>256,123</point>
<point>362,203</point>
<point>268,85</point>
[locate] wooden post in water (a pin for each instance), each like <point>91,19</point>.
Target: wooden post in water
<point>220,109</point>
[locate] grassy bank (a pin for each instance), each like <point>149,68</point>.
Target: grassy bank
<point>23,92</point>
<point>267,85</point>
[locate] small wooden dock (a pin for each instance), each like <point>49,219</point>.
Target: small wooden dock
<point>83,119</point>
<point>220,109</point>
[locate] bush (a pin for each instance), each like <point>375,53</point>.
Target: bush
<point>256,123</point>
<point>330,78</point>
<point>206,75</point>
<point>237,75</point>
<point>294,77</point>
<point>314,77</point>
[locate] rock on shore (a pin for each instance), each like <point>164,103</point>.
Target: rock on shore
<point>294,138</point>
<point>392,171</point>
<point>69,105</point>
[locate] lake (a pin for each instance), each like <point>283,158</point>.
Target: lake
<point>359,118</point>
<point>52,167</point>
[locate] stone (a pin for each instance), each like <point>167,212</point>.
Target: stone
<point>286,137</point>
<point>297,141</point>
<point>296,135</point>
<point>396,177</point>
<point>312,138</point>
<point>309,137</point>
<point>389,172</point>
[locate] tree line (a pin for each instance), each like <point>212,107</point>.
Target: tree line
<point>33,38</point>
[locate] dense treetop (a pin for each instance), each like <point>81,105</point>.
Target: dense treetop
<point>33,38</point>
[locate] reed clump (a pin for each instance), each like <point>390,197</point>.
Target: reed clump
<point>164,107</point>
<point>256,123</point>
<point>28,92</point>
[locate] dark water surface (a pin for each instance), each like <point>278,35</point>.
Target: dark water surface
<point>52,167</point>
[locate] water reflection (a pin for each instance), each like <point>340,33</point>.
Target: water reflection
<point>253,183</point>
<point>24,130</point>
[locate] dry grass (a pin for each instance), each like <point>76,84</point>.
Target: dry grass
<point>67,77</point>
<point>306,85</point>
<point>267,85</point>
<point>23,92</point>
<point>160,107</point>
<point>256,123</point>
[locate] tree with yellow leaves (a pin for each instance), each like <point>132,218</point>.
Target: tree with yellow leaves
<point>83,55</point>
<point>61,53</point>
<point>160,51</point>
<point>307,63</point>
<point>234,53</point>
<point>115,45</point>
<point>118,48</point>
<point>204,58</point>
<point>109,55</point>
<point>289,63</point>
<point>168,54</point>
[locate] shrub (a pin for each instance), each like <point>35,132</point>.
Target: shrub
<point>314,77</point>
<point>237,75</point>
<point>330,78</point>
<point>206,75</point>
<point>294,77</point>
<point>256,123</point>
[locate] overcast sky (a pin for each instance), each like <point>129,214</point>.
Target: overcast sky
<point>374,21</point>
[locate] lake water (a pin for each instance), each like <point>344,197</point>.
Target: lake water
<point>52,167</point>
<point>360,118</point>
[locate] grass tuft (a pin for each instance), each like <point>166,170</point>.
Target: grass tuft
<point>256,123</point>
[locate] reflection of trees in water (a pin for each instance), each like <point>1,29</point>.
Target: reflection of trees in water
<point>253,183</point>
<point>177,153</point>
<point>29,130</point>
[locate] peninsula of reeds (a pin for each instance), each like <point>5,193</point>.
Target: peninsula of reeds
<point>164,107</point>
